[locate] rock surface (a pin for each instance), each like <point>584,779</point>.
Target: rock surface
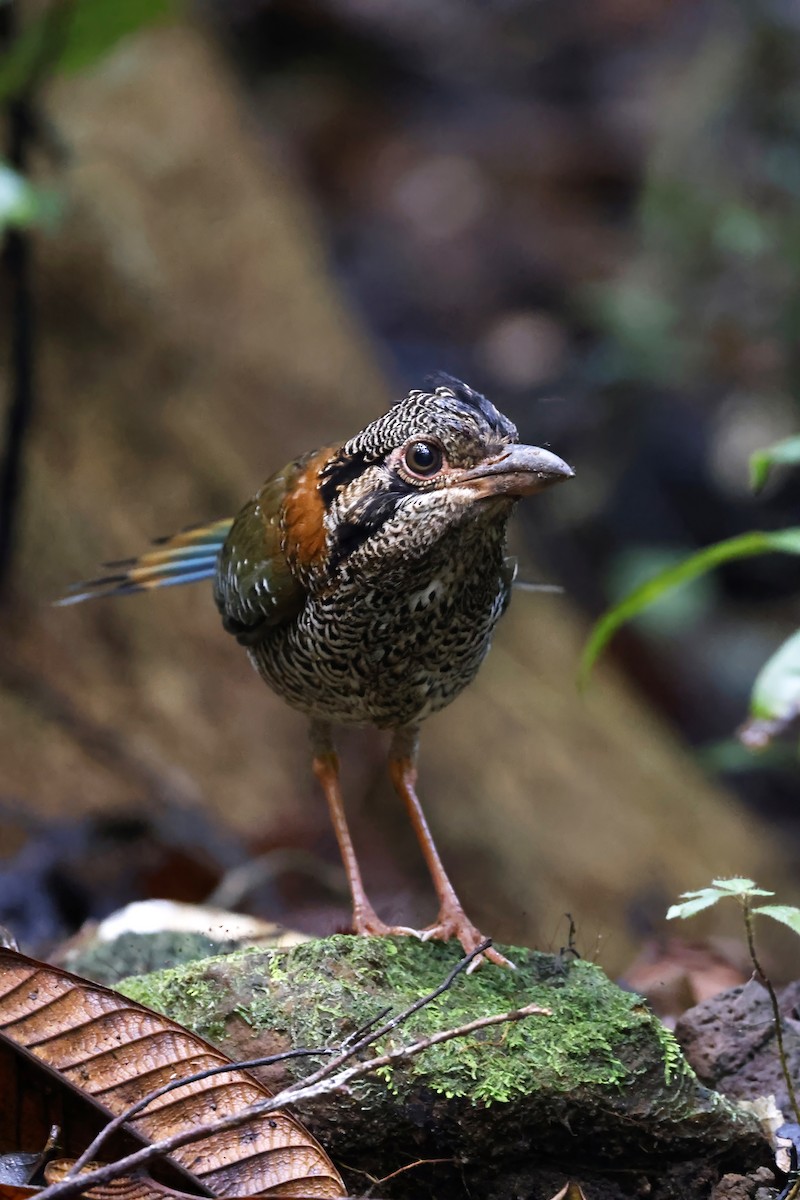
<point>730,1042</point>
<point>596,1087</point>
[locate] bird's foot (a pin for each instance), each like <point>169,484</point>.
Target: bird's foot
<point>451,923</point>
<point>367,923</point>
<point>454,923</point>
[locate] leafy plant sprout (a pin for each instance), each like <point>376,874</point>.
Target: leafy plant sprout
<point>744,890</point>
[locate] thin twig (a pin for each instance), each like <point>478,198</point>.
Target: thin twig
<point>357,1034</point>
<point>792,1193</point>
<point>412,1166</point>
<point>773,999</point>
<point>370,1038</point>
<point>446,1035</point>
<point>19,323</point>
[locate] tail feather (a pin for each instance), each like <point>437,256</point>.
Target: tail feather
<point>163,557</point>
<point>192,535</point>
<point>186,557</point>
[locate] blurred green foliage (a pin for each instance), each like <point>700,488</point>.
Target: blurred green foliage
<point>775,696</point>
<point>784,541</point>
<point>784,453</point>
<point>776,690</point>
<point>635,565</point>
<point>71,36</point>
<point>22,204</point>
<point>98,25</point>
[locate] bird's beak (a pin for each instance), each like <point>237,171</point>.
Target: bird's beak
<point>516,471</point>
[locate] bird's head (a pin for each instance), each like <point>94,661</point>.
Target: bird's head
<point>434,461</point>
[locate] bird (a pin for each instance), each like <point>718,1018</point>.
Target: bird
<point>364,580</point>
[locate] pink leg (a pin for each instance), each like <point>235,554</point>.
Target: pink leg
<point>452,921</point>
<point>365,919</point>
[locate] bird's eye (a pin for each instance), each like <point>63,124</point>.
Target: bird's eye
<point>423,458</point>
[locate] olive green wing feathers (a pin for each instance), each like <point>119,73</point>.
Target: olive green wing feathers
<point>255,588</point>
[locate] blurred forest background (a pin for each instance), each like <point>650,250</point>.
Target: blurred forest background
<point>235,230</point>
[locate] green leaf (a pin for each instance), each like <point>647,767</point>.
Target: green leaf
<point>730,756</point>
<point>786,452</point>
<point>739,887</point>
<point>784,913</point>
<point>675,610</point>
<point>690,907</point>
<point>776,691</point>
<point>775,698</point>
<point>721,889</point>
<point>17,204</point>
<point>742,230</point>
<point>784,541</point>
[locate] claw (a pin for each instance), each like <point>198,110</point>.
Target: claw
<point>454,923</point>
<point>367,923</point>
<point>493,956</point>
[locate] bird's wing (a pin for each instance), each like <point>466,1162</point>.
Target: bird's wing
<point>185,557</point>
<point>259,581</point>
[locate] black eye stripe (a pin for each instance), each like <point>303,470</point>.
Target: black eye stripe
<point>373,513</point>
<point>338,473</point>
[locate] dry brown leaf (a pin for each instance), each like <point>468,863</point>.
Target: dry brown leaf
<point>138,1186</point>
<point>113,1052</point>
<point>572,1191</point>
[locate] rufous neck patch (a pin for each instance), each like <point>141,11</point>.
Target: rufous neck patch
<point>304,513</point>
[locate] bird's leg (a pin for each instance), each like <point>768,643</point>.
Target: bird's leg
<point>326,768</point>
<point>452,921</point>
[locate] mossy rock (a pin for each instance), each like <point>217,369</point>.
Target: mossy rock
<point>597,1087</point>
<point>132,953</point>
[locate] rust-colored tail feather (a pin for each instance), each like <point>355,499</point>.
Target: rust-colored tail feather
<point>185,557</point>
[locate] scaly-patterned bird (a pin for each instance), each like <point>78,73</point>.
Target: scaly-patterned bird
<point>365,580</point>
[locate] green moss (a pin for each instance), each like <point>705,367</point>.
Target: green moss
<point>598,1077</point>
<point>186,994</point>
<point>318,993</point>
<point>675,1064</point>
